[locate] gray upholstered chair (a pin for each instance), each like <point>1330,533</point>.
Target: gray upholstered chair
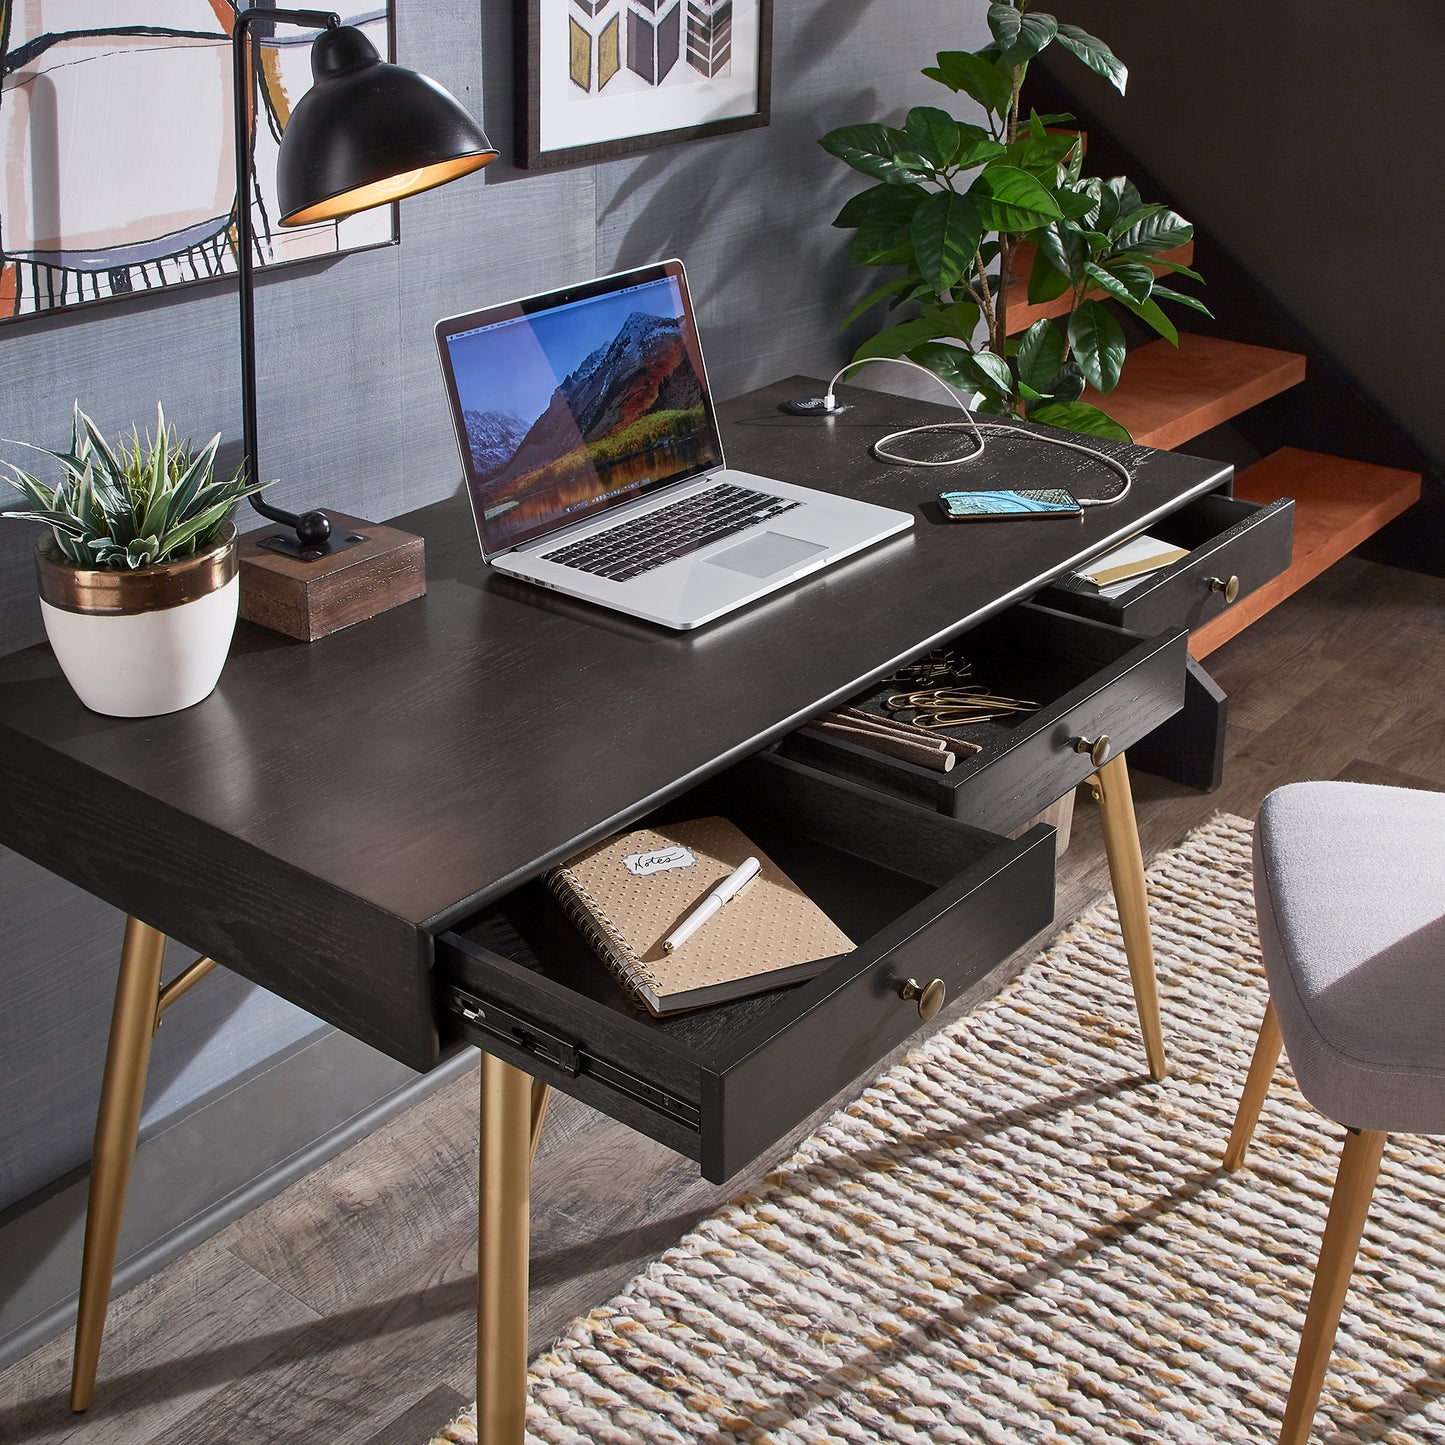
<point>1349,886</point>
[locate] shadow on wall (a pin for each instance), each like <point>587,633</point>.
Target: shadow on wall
<point>749,213</point>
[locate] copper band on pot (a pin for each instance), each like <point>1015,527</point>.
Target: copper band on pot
<point>144,589</point>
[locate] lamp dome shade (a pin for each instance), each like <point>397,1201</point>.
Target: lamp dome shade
<point>368,132</point>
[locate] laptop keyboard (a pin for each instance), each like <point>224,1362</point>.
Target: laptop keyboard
<point>632,548</point>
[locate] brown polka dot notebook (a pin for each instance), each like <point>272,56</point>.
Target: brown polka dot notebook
<point>627,894</point>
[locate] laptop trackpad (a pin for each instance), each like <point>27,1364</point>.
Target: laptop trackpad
<point>764,555</point>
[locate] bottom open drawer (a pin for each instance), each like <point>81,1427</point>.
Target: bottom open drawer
<point>928,898</point>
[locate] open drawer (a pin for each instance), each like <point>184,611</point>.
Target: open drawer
<point>1234,547</point>
<point>1099,691</point>
<point>925,897</point>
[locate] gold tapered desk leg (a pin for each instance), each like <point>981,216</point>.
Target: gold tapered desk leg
<point>132,1026</point>
<point>510,1108</point>
<point>1126,871</point>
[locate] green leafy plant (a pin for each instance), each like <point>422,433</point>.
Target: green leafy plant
<point>953,203</point>
<point>134,505</point>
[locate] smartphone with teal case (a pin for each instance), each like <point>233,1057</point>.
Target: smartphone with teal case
<point>1004,506</point>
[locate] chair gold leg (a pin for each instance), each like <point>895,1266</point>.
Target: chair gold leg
<point>1126,872</point>
<point>132,1026</point>
<point>1354,1184</point>
<point>1256,1085</point>
<point>509,1109</point>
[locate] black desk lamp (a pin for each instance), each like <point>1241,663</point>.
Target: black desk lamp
<point>367,133</point>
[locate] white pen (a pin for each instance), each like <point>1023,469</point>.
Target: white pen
<point>730,887</point>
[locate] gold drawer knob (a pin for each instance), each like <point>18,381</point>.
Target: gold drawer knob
<point>930,996</point>
<point>1227,585</point>
<point>1097,748</point>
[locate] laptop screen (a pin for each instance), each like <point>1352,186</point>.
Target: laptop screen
<point>569,404</point>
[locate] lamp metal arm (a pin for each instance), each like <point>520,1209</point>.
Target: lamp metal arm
<point>314,526</point>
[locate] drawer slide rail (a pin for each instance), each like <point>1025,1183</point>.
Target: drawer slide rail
<point>571,1058</point>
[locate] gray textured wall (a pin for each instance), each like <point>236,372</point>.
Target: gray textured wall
<point>352,415</point>
<point>1299,133</point>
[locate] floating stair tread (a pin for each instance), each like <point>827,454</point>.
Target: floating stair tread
<point>1167,395</point>
<point>1022,315</point>
<point>1338,504</point>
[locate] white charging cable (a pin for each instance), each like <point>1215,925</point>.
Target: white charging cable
<point>975,429</point>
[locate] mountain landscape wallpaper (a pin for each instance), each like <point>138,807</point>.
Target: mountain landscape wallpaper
<point>628,411</point>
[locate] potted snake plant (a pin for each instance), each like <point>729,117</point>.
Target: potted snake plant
<point>138,571</point>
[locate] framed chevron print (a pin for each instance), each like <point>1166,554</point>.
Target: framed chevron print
<point>599,78</point>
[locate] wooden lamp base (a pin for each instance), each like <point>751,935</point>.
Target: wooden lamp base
<point>310,600</point>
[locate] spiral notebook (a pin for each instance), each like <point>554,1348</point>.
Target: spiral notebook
<point>629,892</point>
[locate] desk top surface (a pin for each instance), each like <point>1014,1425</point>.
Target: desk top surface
<point>429,759</point>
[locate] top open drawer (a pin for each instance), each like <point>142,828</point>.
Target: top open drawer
<point>1099,689</point>
<point>1234,547</point>
<point>924,898</point>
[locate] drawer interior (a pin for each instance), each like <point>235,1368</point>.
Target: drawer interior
<point>1027,653</point>
<point>864,865</point>
<point>1088,679</point>
<point>1201,521</point>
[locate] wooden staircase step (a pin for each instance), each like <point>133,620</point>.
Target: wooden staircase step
<point>1168,395</point>
<point>1337,504</point>
<point>1022,315</point>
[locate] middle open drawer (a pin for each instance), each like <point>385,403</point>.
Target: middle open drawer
<point>1099,690</point>
<point>924,898</point>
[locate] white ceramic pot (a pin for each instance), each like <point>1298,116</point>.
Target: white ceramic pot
<point>144,642</point>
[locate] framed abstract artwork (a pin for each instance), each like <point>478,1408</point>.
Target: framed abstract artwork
<point>117,131</point>
<point>598,78</point>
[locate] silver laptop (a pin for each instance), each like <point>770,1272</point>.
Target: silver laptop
<point>594,466</point>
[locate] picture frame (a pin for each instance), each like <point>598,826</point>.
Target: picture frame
<point>121,177</point>
<point>602,78</point>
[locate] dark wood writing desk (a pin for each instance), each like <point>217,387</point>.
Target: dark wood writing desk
<point>333,808</point>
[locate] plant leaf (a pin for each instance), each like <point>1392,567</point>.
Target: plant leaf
<point>1042,157</point>
<point>142,552</point>
<point>1167,293</point>
<point>976,149</point>
<point>877,201</point>
<point>1040,354</point>
<point>896,340</point>
<point>1012,201</point>
<point>1020,36</point>
<point>1067,384</point>
<point>991,372</point>
<point>31,488</point>
<point>1177,268</point>
<point>1161,231</point>
<point>1046,281</point>
<point>109,462</point>
<point>60,521</point>
<point>879,151</point>
<point>1098,345</point>
<point>1127,281</point>
<point>945,233</point>
<point>934,132</point>
<point>950,363</point>
<point>888,289</point>
<point>1079,416</point>
<point>1095,54</point>
<point>1152,315</point>
<point>978,75</point>
<point>885,223</point>
<point>1065,248</point>
<point>193,531</point>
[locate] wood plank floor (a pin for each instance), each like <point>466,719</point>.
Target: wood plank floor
<point>341,1311</point>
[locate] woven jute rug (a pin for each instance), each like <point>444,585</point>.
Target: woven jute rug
<point>1014,1237</point>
